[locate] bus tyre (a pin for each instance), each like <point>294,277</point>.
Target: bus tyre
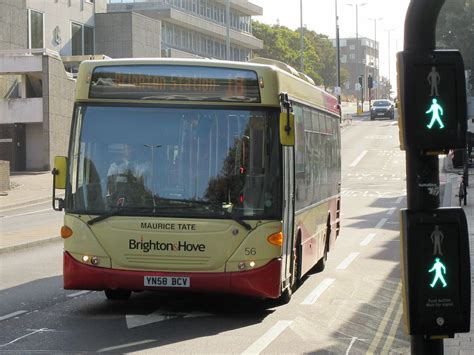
<point>117,294</point>
<point>285,296</point>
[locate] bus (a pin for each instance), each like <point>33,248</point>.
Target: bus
<point>198,175</point>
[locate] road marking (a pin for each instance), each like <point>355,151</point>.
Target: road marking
<point>399,200</point>
<point>11,315</point>
<point>26,205</point>
<point>393,330</point>
<point>78,293</point>
<point>347,261</point>
<point>358,159</point>
<point>318,291</point>
<point>112,348</point>
<point>381,223</point>
<point>350,345</point>
<point>261,343</point>
<point>383,324</point>
<point>27,335</point>
<point>27,213</point>
<point>391,210</point>
<point>367,239</point>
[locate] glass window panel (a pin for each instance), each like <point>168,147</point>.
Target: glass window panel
<point>36,30</point>
<point>88,40</point>
<point>76,40</point>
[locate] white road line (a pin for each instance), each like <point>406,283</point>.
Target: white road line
<point>399,200</point>
<point>392,333</point>
<point>350,345</point>
<point>391,210</point>
<point>347,261</point>
<point>318,291</point>
<point>112,348</point>
<point>367,239</point>
<point>358,159</point>
<point>11,315</point>
<point>261,343</point>
<point>78,293</point>
<point>25,214</point>
<point>24,336</point>
<point>381,223</point>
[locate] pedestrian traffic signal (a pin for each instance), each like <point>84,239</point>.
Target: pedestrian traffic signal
<point>360,80</point>
<point>433,106</point>
<point>370,82</point>
<point>436,271</point>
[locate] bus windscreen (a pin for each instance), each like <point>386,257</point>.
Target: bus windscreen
<point>174,83</point>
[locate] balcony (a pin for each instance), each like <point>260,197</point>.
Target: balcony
<point>28,110</point>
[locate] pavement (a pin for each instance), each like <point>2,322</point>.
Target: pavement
<point>31,188</point>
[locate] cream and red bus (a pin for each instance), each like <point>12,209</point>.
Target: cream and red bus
<point>198,175</point>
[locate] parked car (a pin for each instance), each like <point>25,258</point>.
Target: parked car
<point>382,108</point>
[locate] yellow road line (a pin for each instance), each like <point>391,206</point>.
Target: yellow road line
<point>393,330</point>
<point>383,324</point>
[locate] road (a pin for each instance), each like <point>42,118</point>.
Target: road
<point>353,307</point>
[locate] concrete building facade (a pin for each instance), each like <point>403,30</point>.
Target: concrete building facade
<point>360,57</point>
<point>36,93</point>
<point>42,43</point>
<point>198,28</point>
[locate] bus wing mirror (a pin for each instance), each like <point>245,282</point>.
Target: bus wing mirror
<point>59,172</point>
<point>59,180</point>
<point>287,128</point>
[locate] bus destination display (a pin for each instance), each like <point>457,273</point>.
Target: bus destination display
<point>173,82</point>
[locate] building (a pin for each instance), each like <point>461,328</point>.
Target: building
<point>361,58</point>
<point>43,42</point>
<point>198,28</point>
<point>36,93</point>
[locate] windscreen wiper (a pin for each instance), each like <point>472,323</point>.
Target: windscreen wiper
<point>119,212</point>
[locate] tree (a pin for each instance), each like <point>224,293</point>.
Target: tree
<point>455,29</point>
<point>283,44</point>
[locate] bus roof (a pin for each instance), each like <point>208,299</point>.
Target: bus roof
<point>273,77</point>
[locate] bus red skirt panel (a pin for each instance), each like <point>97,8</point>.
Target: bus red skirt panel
<point>260,282</point>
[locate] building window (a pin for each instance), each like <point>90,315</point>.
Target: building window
<point>352,47</point>
<point>76,39</point>
<point>88,40</point>
<point>35,29</point>
<point>82,39</point>
<point>352,56</point>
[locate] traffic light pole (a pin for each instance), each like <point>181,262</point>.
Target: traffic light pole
<point>422,170</point>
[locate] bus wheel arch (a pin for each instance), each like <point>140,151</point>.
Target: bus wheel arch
<point>321,264</point>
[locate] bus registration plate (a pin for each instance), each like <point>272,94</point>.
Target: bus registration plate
<point>167,281</point>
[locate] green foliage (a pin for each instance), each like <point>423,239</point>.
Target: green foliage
<point>283,44</point>
<point>455,29</point>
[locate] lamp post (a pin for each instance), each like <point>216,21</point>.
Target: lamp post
<point>389,80</point>
<point>376,52</point>
<point>338,59</point>
<point>357,49</point>
<point>301,37</point>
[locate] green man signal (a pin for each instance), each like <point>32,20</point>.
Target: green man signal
<point>436,111</point>
<point>439,269</point>
<point>432,93</point>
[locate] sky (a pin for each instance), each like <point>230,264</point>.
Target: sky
<point>319,16</point>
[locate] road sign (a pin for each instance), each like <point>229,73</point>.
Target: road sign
<point>358,86</point>
<point>337,90</point>
<point>432,94</point>
<point>436,271</point>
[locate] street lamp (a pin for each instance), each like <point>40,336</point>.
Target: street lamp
<point>357,47</point>
<point>376,51</point>
<point>301,37</point>
<point>338,59</point>
<point>389,80</point>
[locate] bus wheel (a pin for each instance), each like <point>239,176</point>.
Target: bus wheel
<point>285,297</point>
<point>118,294</point>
